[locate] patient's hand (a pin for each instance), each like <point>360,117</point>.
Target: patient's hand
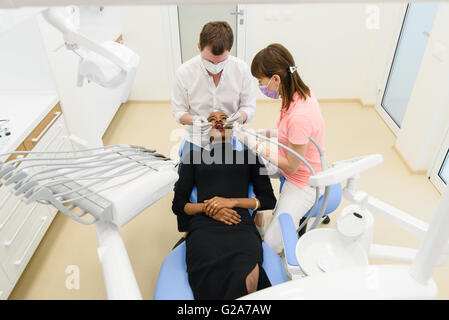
<point>227,216</point>
<point>212,206</point>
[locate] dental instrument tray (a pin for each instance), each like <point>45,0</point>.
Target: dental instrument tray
<point>112,183</point>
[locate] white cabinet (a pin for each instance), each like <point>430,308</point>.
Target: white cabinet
<point>28,98</point>
<point>4,283</point>
<point>23,226</point>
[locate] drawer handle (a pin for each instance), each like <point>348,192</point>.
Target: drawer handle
<point>20,261</point>
<point>10,215</point>
<point>47,127</point>
<point>7,243</point>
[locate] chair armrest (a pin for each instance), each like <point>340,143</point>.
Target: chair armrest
<point>173,282</point>
<point>289,238</point>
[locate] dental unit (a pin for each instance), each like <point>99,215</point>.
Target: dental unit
<point>107,186</point>
<point>332,263</point>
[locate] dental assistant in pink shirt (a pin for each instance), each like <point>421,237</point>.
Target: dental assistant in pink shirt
<point>300,117</point>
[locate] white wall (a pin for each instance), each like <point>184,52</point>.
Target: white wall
<point>144,31</point>
<point>24,65</point>
<point>426,119</point>
<point>338,56</point>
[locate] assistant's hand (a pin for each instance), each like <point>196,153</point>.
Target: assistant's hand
<point>248,139</point>
<point>227,216</point>
<point>269,133</point>
<point>212,206</point>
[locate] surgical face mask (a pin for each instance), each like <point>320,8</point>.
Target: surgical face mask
<point>215,68</point>
<point>269,94</point>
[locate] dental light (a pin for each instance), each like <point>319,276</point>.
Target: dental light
<point>108,64</point>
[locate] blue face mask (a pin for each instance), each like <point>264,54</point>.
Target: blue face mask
<point>269,94</point>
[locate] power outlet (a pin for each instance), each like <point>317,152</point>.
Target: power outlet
<point>439,51</point>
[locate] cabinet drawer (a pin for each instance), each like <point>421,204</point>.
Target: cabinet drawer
<point>21,147</point>
<point>51,141</point>
<point>17,248</point>
<point>14,157</point>
<point>43,127</point>
<point>5,192</point>
<point>5,285</point>
<point>10,208</point>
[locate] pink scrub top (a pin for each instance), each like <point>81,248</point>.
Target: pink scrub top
<point>302,119</point>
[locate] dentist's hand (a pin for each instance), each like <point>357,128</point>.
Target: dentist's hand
<point>235,118</point>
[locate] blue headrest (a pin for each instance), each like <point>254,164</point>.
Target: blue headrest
<point>236,145</point>
<point>334,198</point>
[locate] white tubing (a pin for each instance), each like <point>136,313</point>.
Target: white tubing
<point>434,243</point>
<point>118,274</point>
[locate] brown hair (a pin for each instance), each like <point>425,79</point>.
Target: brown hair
<point>276,59</point>
<point>218,35</point>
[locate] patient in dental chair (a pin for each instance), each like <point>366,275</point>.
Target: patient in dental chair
<point>223,247</point>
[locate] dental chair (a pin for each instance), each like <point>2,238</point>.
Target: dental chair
<point>173,283</point>
<point>332,205</point>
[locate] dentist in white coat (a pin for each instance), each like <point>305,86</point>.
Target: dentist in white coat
<point>212,80</point>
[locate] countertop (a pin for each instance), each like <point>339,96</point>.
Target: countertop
<point>25,111</point>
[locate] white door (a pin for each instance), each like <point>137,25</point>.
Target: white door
<point>410,49</point>
<point>192,18</point>
<point>439,175</point>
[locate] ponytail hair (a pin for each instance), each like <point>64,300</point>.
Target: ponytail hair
<point>276,59</point>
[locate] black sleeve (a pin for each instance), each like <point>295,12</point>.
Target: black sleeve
<point>262,184</point>
<point>183,189</point>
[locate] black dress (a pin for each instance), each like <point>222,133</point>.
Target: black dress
<point>219,257</point>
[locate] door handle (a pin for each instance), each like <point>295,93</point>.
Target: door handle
<point>427,34</point>
<point>237,13</point>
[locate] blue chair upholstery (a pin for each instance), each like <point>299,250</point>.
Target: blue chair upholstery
<point>173,283</point>
<point>236,145</point>
<point>289,237</point>
<point>332,204</point>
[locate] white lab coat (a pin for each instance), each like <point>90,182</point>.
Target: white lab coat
<point>194,91</point>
